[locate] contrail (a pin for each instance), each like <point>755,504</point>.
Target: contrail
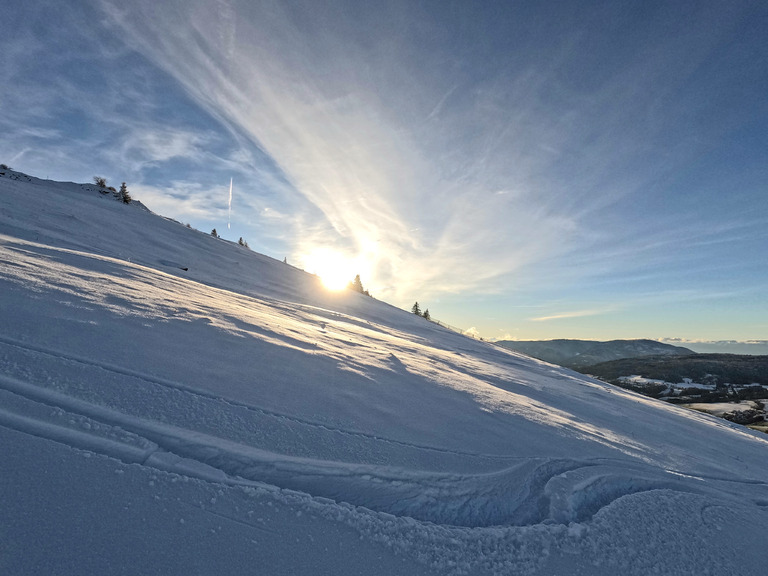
<point>229,215</point>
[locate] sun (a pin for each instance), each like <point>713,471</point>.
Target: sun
<point>333,268</point>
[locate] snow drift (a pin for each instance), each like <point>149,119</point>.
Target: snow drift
<point>172,403</point>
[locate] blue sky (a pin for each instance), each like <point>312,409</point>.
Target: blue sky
<point>528,169</point>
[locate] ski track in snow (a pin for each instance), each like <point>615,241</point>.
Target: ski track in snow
<point>520,494</point>
<point>532,491</point>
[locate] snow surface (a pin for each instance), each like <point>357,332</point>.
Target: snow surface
<point>172,403</point>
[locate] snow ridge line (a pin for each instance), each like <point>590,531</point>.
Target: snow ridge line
<point>196,392</point>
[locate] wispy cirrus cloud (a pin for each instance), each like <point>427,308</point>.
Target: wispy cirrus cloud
<point>402,152</point>
<point>401,136</point>
<point>578,155</point>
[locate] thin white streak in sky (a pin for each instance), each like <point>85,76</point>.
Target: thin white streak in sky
<point>565,315</point>
<point>229,213</point>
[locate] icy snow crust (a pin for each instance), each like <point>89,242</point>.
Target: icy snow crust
<point>235,417</point>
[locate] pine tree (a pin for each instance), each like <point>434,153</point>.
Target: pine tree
<point>124,195</point>
<point>416,310</point>
<point>357,285</point>
<point>426,314</point>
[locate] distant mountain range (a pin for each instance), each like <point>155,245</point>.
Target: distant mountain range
<point>580,353</point>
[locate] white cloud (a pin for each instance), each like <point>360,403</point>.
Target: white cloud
<point>505,336</point>
<point>472,332</point>
<point>160,144</point>
<point>183,200</point>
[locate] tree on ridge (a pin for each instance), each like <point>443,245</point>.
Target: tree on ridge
<point>357,285</point>
<point>123,194</point>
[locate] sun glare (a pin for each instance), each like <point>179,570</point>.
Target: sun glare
<point>335,271</point>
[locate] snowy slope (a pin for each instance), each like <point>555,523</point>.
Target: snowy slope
<point>236,418</point>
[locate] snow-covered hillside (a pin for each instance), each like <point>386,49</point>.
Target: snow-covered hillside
<point>172,403</point>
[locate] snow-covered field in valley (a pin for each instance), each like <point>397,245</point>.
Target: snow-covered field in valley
<point>172,403</point>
